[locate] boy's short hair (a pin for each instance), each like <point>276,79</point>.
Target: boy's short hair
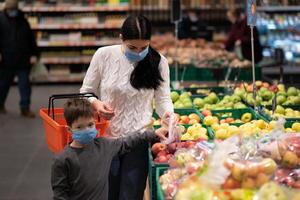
<point>76,108</point>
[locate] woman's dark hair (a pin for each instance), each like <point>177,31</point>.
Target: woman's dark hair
<point>146,74</point>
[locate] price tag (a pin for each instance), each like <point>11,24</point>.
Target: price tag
<point>251,12</point>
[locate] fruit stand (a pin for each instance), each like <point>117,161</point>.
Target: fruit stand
<point>211,118</point>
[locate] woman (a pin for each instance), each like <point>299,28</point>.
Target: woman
<point>129,77</point>
<point>240,36</point>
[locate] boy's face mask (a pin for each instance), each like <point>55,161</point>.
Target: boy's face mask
<point>85,136</point>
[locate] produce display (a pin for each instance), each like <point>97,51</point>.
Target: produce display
<point>181,100</point>
<point>228,150</point>
<point>235,170</point>
<point>191,119</point>
<point>280,111</point>
<point>266,93</point>
<point>197,52</point>
<point>213,102</point>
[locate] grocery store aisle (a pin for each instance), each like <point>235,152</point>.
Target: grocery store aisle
<point>24,158</point>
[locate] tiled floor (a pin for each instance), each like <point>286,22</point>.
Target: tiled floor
<point>24,158</point>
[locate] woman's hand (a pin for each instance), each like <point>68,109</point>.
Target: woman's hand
<point>103,109</point>
<point>166,119</point>
<point>161,133</point>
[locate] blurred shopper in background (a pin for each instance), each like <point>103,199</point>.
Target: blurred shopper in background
<point>18,49</point>
<point>191,27</point>
<point>240,36</point>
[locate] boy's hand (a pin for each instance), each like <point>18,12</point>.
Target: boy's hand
<point>161,133</point>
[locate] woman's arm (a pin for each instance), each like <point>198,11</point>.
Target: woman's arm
<point>163,102</point>
<point>92,78</point>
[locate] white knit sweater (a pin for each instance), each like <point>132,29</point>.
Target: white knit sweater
<point>109,77</point>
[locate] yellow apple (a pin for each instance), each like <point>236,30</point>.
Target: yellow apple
<point>296,126</point>
<point>233,130</point>
<point>221,134</point>
<point>215,126</point>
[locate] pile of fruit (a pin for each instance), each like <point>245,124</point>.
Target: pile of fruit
<point>162,153</point>
<point>181,101</point>
<point>280,111</point>
<point>264,174</point>
<point>195,132</point>
<point>266,93</point>
<point>248,174</point>
<point>213,102</point>
<point>190,119</point>
<point>198,52</point>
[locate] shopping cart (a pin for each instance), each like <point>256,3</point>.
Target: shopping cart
<point>56,131</point>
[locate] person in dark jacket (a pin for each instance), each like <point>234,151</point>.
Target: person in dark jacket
<point>240,35</point>
<point>191,27</point>
<point>17,49</point>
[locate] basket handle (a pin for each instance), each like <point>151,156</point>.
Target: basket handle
<point>67,96</point>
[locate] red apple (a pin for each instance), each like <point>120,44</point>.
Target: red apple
<point>229,120</point>
<point>172,147</point>
<point>157,147</point>
<point>265,85</point>
<point>273,88</point>
<point>189,144</point>
<point>161,159</point>
<point>162,153</point>
<point>230,183</point>
<point>206,113</point>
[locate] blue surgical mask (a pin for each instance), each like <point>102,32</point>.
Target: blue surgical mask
<point>85,136</point>
<point>12,12</point>
<point>136,57</point>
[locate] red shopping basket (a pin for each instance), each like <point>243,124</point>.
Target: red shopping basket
<point>56,131</point>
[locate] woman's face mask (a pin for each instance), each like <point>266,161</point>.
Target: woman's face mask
<point>136,50</point>
<point>136,57</point>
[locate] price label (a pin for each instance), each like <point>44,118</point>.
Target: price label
<point>251,12</point>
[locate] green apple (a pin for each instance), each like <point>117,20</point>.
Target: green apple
<point>280,99</point>
<point>174,96</point>
<point>178,105</point>
<point>280,110</point>
<point>292,91</point>
<point>239,92</point>
<point>184,95</point>
<point>213,97</point>
<point>198,102</point>
<point>239,105</point>
<point>267,95</point>
<point>283,93</point>
<point>208,100</point>
<point>258,100</point>
<point>235,98</point>
<point>188,105</point>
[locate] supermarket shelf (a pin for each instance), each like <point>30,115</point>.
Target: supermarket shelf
<point>159,8</point>
<point>67,61</point>
<point>104,8</point>
<point>279,8</point>
<point>287,70</point>
<point>71,78</point>
<point>73,26</point>
<point>78,44</point>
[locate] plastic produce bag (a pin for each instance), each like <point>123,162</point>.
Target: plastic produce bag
<point>217,173</point>
<point>173,131</point>
<point>38,71</point>
<point>288,177</point>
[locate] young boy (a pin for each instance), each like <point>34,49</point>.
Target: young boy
<point>81,170</point>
